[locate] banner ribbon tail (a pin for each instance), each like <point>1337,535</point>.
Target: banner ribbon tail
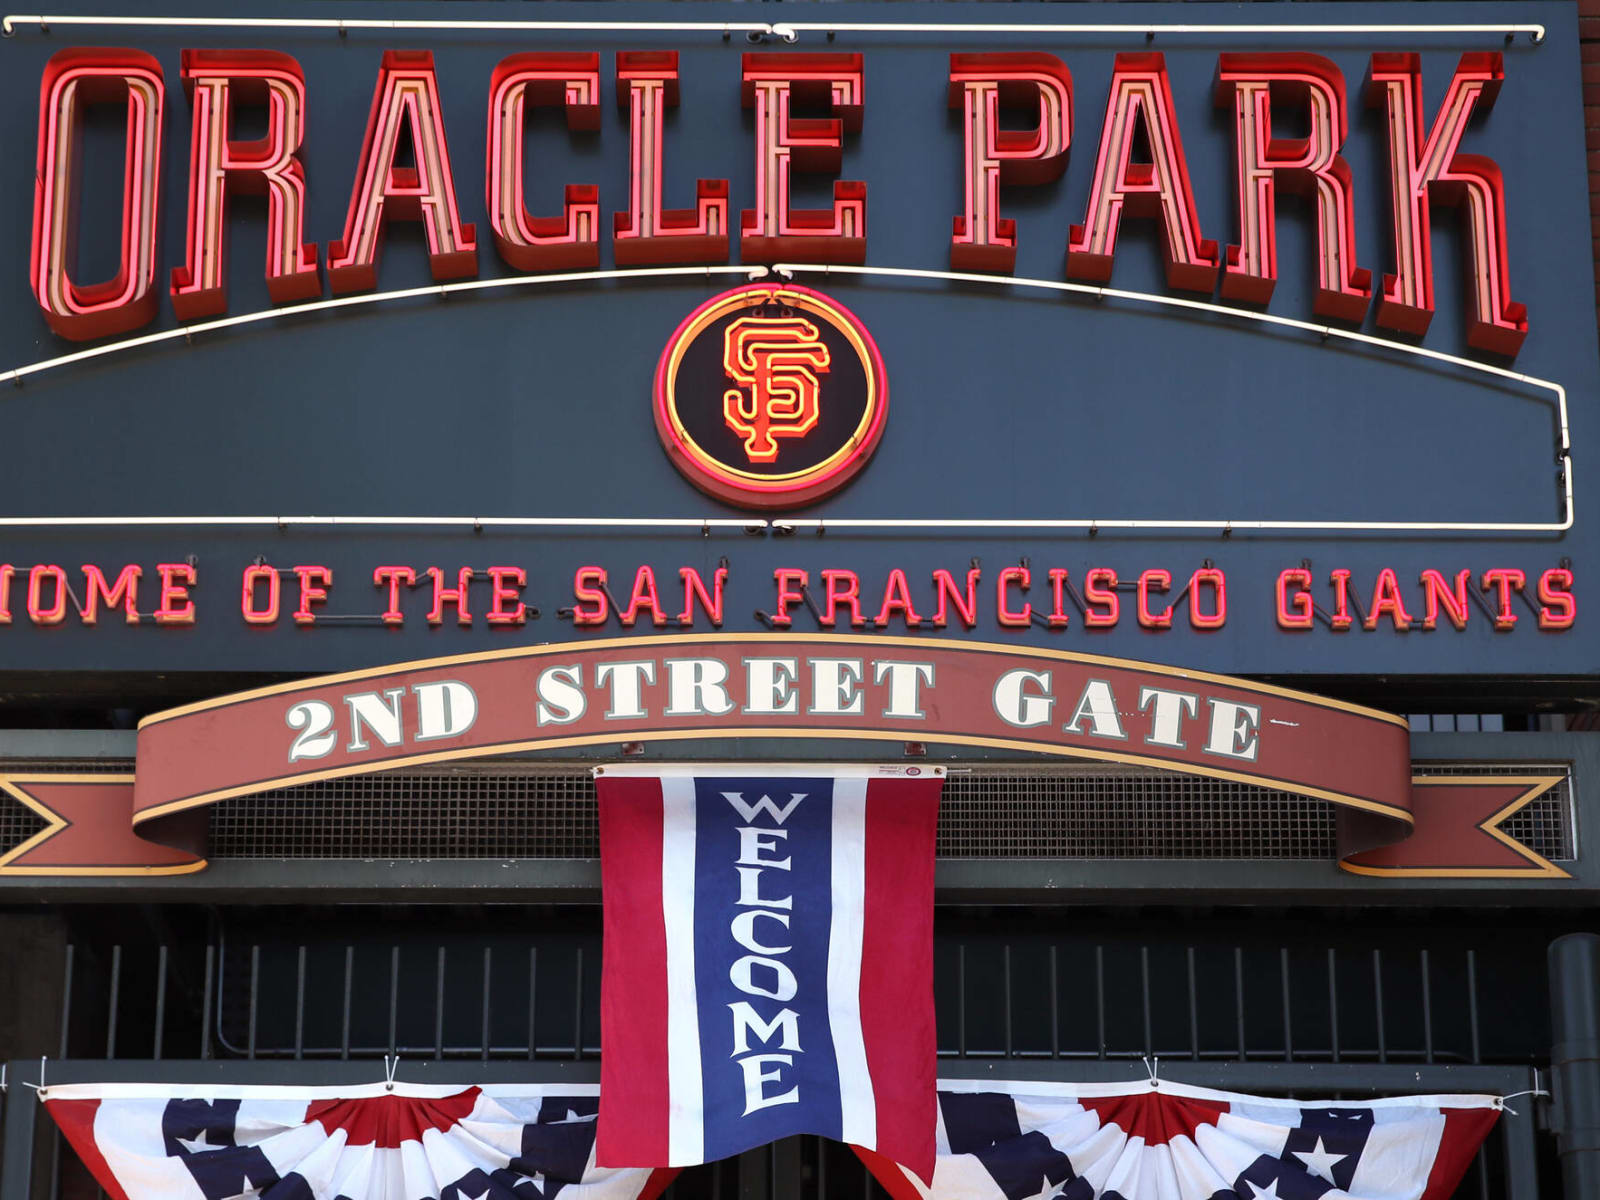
<point>1457,831</point>
<point>89,829</point>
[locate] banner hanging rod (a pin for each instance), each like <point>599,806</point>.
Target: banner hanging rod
<point>787,31</point>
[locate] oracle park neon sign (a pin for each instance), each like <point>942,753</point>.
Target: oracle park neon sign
<point>1018,115</point>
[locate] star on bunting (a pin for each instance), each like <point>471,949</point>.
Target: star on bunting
<point>1319,1162</point>
<point>197,1145</point>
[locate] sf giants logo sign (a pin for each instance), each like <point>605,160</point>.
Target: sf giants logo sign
<point>778,360</point>
<point>808,404</point>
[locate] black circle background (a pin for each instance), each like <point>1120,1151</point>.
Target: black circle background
<point>701,381</point>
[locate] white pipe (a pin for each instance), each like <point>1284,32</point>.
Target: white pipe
<point>758,272</point>
<point>1219,526</point>
<point>752,524</point>
<point>9,23</point>
<point>1324,331</point>
<point>789,31</point>
<point>17,374</point>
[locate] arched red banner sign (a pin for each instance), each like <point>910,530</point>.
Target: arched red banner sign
<point>817,686</point>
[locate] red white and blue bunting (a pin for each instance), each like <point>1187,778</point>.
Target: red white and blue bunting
<point>1165,1141</point>
<point>382,1142</point>
<point>996,1141</point>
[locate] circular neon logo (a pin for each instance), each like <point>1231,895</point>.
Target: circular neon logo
<point>770,396</point>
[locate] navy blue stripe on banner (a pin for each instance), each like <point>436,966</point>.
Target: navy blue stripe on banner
<point>761,960</point>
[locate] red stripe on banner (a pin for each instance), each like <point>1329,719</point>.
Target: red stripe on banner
<point>890,1176</point>
<point>75,1119</point>
<point>634,1092</point>
<point>660,1179</point>
<point>1155,1116</point>
<point>1464,1131</point>
<point>386,1121</point>
<point>897,1022</point>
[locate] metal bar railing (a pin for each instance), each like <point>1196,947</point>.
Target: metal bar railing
<point>998,1000</point>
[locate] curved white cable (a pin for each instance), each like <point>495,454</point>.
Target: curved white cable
<point>789,31</point>
<point>9,23</point>
<point>17,374</point>
<point>1226,525</point>
<point>1093,524</point>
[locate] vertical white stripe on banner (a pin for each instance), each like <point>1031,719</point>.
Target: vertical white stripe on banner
<point>685,1128</point>
<point>858,1108</point>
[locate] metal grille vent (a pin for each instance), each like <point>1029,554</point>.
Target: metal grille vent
<point>1114,812</point>
<point>508,810</point>
<point>18,822</point>
<point>477,812</point>
<point>1547,825</point>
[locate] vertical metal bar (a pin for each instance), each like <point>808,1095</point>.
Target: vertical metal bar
<point>438,1005</point>
<point>961,1000</point>
<point>55,1164</point>
<point>394,997</point>
<point>255,983</point>
<point>66,998</point>
<point>1238,998</point>
<point>786,1169</point>
<point>1194,1009</point>
<point>486,973</point>
<point>1144,990</point>
<point>1522,1159</point>
<point>1288,1021</point>
<point>114,1001</point>
<point>577,1008</point>
<point>1055,1008</point>
<point>822,1168</point>
<point>349,980</point>
<point>1472,1003</point>
<point>1427,1010</point>
<point>300,1004</point>
<point>1573,962</point>
<point>1006,967</point>
<point>205,1003</point>
<point>1377,998</point>
<point>753,1174</point>
<point>1099,998</point>
<point>161,1004</point>
<point>1482,1162</point>
<point>1333,1004</point>
<point>16,1151</point>
<point>533,998</point>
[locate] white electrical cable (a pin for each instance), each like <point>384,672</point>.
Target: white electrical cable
<point>342,24</point>
<point>786,525</point>
<point>1226,525</point>
<point>789,31</point>
<point>752,524</point>
<point>17,374</point>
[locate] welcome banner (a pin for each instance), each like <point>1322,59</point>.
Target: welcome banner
<point>768,960</point>
<point>693,687</point>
